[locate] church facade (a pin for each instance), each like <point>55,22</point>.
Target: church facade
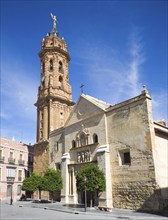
<point>122,139</point>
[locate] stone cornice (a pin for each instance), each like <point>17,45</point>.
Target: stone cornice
<point>103,148</point>
<point>45,99</point>
<point>84,147</point>
<point>128,102</point>
<point>65,156</point>
<point>57,132</point>
<point>41,143</point>
<point>54,49</point>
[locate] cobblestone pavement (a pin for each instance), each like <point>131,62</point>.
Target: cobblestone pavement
<point>29,210</point>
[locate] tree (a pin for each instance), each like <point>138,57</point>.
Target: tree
<point>41,184</point>
<point>91,179</point>
<point>30,183</point>
<point>33,183</point>
<point>53,181</point>
<point>50,181</point>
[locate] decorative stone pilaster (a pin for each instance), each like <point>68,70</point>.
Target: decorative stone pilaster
<point>38,126</point>
<point>73,197</point>
<point>45,121</point>
<point>51,118</point>
<point>103,159</point>
<point>65,175</point>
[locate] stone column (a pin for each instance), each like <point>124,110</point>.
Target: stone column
<point>72,186</point>
<point>65,175</point>
<point>45,121</point>
<point>51,117</point>
<point>103,159</point>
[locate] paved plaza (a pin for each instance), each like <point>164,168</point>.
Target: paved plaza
<point>35,211</point>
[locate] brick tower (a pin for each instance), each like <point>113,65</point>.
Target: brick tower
<point>54,102</point>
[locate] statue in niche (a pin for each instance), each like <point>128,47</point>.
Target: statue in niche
<point>82,157</point>
<point>87,156</point>
<point>78,157</point>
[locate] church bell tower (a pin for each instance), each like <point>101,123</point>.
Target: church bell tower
<point>54,102</point>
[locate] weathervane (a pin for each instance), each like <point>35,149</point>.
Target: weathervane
<point>54,21</point>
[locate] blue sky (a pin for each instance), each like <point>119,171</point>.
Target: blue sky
<point>116,47</point>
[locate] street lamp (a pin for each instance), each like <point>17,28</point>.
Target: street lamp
<point>11,180</point>
<point>85,179</point>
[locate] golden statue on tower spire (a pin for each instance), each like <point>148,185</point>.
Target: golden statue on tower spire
<point>54,21</point>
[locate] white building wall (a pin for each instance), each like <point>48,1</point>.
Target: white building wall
<point>161,161</point>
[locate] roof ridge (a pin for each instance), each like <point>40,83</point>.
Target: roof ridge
<point>98,101</point>
<point>9,141</point>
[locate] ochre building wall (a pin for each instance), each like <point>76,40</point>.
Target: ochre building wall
<point>130,130</point>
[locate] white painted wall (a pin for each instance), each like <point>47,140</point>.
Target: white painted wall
<point>160,153</point>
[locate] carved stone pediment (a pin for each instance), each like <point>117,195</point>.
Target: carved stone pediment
<point>83,130</point>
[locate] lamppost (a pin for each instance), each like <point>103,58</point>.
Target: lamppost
<point>11,180</point>
<point>85,179</point>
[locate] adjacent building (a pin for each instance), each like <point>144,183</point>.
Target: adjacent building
<point>16,162</point>
<point>122,139</point>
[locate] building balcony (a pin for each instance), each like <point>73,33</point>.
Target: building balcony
<point>21,162</point>
<point>2,159</point>
<point>11,160</point>
<point>10,179</point>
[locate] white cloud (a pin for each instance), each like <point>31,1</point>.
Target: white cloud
<point>5,116</point>
<point>159,105</point>
<point>137,59</point>
<point>113,76</point>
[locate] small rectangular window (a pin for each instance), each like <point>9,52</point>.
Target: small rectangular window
<point>20,175</point>
<point>124,157</point>
<point>57,146</point>
<point>21,156</point>
<point>11,155</point>
<point>127,159</point>
<point>1,153</point>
